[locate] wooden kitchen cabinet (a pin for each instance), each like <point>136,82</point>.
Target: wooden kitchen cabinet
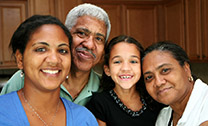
<point>141,23</point>
<point>13,12</point>
<point>185,22</point>
<point>138,19</point>
<point>11,15</point>
<point>174,22</point>
<point>114,13</point>
<point>204,6</point>
<point>186,25</point>
<point>193,29</point>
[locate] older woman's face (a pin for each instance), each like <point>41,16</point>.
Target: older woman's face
<point>166,81</point>
<point>47,59</point>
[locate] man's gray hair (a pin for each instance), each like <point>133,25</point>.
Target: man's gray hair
<point>90,10</point>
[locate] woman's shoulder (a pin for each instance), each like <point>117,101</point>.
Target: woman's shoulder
<point>164,114</point>
<point>8,97</point>
<point>78,114</point>
<point>74,108</point>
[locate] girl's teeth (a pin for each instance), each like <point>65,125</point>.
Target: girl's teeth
<point>125,77</point>
<point>50,71</point>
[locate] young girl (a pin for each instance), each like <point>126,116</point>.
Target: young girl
<point>123,101</point>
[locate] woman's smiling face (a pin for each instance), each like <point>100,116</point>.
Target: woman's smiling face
<point>166,80</point>
<point>47,59</point>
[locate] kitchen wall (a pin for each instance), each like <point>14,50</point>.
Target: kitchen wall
<point>200,70</point>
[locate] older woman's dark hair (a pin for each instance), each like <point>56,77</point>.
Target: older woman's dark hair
<point>23,33</point>
<point>175,50</point>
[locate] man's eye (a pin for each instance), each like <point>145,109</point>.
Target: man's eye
<point>40,50</point>
<point>100,39</point>
<point>81,34</point>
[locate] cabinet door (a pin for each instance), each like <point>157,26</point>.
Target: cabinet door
<point>205,30</point>
<point>193,29</point>
<point>114,13</point>
<point>174,22</point>
<point>11,15</point>
<point>43,7</point>
<point>141,23</point>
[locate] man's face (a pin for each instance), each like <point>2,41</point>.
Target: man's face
<point>88,42</point>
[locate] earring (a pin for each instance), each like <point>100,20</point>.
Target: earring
<point>67,77</point>
<point>21,74</point>
<point>191,79</point>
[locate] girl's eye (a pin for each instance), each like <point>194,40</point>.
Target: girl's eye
<point>134,61</point>
<point>116,62</point>
<point>40,50</point>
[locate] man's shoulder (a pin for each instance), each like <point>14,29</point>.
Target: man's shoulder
<point>16,82</point>
<point>72,107</point>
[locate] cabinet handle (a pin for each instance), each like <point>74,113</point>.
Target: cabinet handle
<point>1,63</point>
<point>198,56</point>
<point>203,56</point>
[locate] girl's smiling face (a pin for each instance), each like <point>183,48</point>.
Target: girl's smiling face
<point>124,65</point>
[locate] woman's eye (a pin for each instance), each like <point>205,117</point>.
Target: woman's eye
<point>40,50</point>
<point>63,51</point>
<point>165,71</point>
<point>148,78</point>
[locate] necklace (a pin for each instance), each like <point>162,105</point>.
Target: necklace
<point>125,108</point>
<point>45,124</point>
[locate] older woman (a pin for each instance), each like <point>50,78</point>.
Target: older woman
<point>41,46</point>
<point>168,79</point>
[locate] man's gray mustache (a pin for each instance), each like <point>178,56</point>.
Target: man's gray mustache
<point>85,49</point>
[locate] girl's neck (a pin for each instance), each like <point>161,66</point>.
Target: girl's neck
<point>130,98</point>
<point>126,93</point>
